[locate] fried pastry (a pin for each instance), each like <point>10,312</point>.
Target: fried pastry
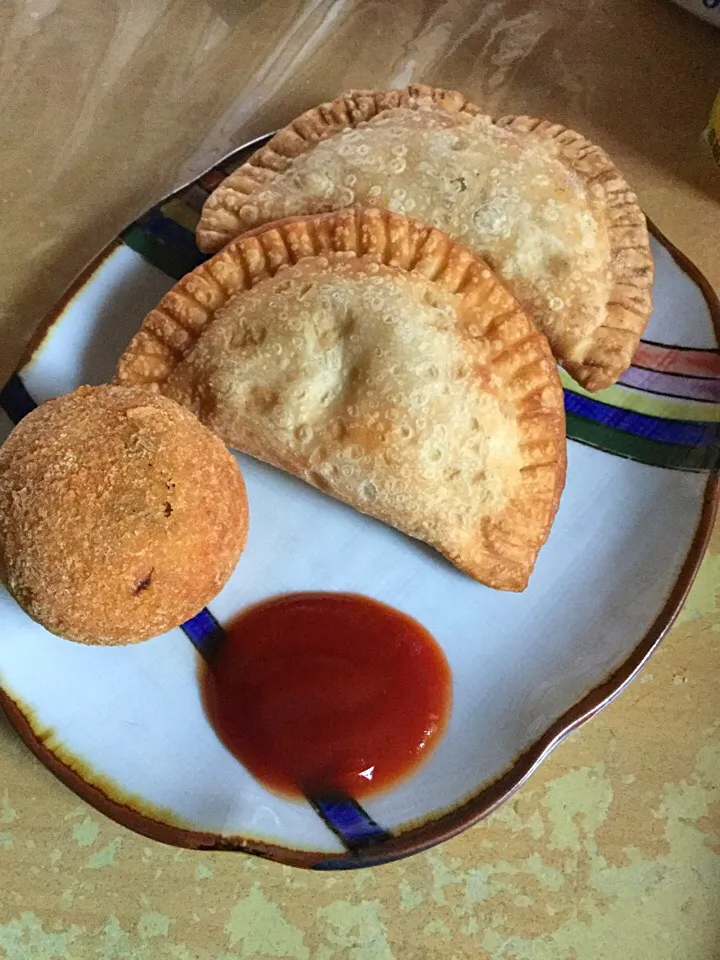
<point>375,358</point>
<point>121,515</point>
<point>545,208</point>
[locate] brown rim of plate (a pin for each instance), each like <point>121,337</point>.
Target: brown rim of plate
<point>489,797</point>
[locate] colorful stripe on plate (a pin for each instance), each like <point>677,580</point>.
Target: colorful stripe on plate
<point>204,632</point>
<point>164,243</point>
<point>353,826</point>
<point>688,361</point>
<point>706,389</point>
<point>630,398</point>
<point>689,433</point>
<point>641,427</point>
<point>656,453</point>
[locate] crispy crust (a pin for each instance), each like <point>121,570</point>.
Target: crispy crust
<point>221,220</point>
<point>121,516</point>
<point>167,353</point>
<point>630,261</point>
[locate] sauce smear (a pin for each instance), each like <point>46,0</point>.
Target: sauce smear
<point>318,693</point>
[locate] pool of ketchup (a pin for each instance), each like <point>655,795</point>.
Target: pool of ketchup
<point>321,693</point>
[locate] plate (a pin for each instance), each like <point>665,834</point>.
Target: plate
<point>125,727</point>
<point>705,9</point>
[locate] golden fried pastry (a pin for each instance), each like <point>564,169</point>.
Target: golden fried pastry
<point>380,361</point>
<point>544,207</point>
<point>121,515</point>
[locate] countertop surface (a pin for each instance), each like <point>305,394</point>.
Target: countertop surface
<point>613,848</point>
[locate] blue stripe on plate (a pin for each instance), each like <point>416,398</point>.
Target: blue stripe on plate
<point>15,400</point>
<point>361,861</point>
<point>347,819</point>
<point>690,433</point>
<point>204,632</point>
<point>174,235</point>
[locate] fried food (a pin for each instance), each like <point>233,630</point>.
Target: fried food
<point>546,208</point>
<point>373,357</point>
<point>121,515</point>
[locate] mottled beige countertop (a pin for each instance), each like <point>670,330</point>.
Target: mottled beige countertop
<point>612,850</point>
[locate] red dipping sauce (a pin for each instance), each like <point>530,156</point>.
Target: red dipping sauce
<point>318,693</point>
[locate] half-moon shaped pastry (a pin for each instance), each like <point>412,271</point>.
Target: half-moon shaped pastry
<point>375,358</point>
<point>544,207</point>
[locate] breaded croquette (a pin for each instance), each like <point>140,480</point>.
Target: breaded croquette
<point>121,515</point>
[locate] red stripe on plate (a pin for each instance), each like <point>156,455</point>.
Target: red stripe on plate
<point>693,363</point>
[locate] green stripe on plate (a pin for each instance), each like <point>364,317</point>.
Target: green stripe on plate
<point>653,452</point>
<point>157,253</point>
<point>649,403</point>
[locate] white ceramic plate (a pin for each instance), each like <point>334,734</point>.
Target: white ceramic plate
<point>125,727</point>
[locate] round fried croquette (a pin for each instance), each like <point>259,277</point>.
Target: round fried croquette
<point>121,515</point>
